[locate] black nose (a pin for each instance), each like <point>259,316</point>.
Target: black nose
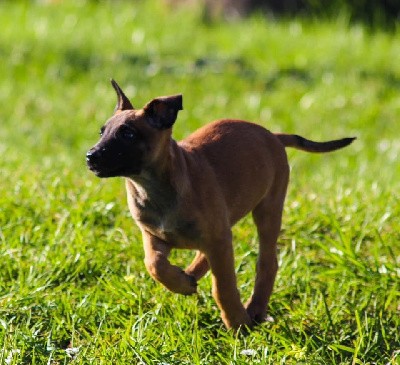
<point>89,155</point>
<point>93,154</point>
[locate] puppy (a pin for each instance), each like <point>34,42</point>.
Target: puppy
<point>189,194</point>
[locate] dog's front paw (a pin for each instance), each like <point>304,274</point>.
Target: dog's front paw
<point>188,284</point>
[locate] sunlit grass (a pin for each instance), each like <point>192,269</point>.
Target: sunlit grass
<point>73,285</point>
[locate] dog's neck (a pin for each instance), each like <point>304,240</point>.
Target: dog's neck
<point>157,187</point>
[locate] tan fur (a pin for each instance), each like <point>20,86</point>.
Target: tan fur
<point>189,195</point>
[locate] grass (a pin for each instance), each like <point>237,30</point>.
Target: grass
<point>73,286</point>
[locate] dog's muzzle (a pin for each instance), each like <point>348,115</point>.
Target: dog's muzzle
<point>93,156</point>
<point>99,161</point>
<point>94,159</point>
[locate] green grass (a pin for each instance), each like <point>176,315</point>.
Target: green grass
<point>72,273</point>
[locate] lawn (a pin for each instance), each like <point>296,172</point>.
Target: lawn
<point>74,289</point>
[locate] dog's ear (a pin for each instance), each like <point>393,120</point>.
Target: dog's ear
<point>123,102</point>
<point>162,111</point>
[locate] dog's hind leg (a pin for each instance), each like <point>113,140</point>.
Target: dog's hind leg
<point>157,264</point>
<point>267,217</point>
<point>199,266</point>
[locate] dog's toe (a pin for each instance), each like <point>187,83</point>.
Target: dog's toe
<point>257,315</point>
<point>192,284</point>
<point>193,281</point>
<point>189,285</point>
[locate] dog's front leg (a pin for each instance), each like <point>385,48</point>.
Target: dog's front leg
<point>157,264</point>
<point>224,286</point>
<point>199,266</point>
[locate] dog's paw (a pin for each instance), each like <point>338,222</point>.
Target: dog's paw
<point>189,284</point>
<point>239,322</point>
<point>256,313</point>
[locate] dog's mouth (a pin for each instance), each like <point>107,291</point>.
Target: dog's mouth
<point>115,171</point>
<point>101,171</point>
<point>105,164</point>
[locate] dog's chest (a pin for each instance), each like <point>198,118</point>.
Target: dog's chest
<point>165,222</point>
<point>170,227</point>
<point>157,211</point>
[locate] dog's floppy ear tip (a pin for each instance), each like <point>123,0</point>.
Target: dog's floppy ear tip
<point>178,101</point>
<point>163,110</point>
<point>172,101</point>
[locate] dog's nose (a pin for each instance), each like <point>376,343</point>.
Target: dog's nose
<point>92,155</point>
<point>89,155</point>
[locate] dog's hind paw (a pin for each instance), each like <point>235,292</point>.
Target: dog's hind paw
<point>257,313</point>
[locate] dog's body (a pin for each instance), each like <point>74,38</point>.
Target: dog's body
<point>189,194</point>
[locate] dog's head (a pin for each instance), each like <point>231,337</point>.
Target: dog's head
<point>133,138</point>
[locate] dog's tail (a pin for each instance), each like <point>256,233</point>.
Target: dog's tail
<point>300,143</point>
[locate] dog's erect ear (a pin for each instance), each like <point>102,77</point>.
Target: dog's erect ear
<point>162,111</point>
<point>123,102</point>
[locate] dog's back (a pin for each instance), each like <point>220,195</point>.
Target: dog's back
<point>253,161</point>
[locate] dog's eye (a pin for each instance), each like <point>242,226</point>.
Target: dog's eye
<point>102,130</point>
<point>127,133</point>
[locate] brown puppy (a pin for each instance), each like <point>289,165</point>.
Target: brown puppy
<point>189,194</point>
